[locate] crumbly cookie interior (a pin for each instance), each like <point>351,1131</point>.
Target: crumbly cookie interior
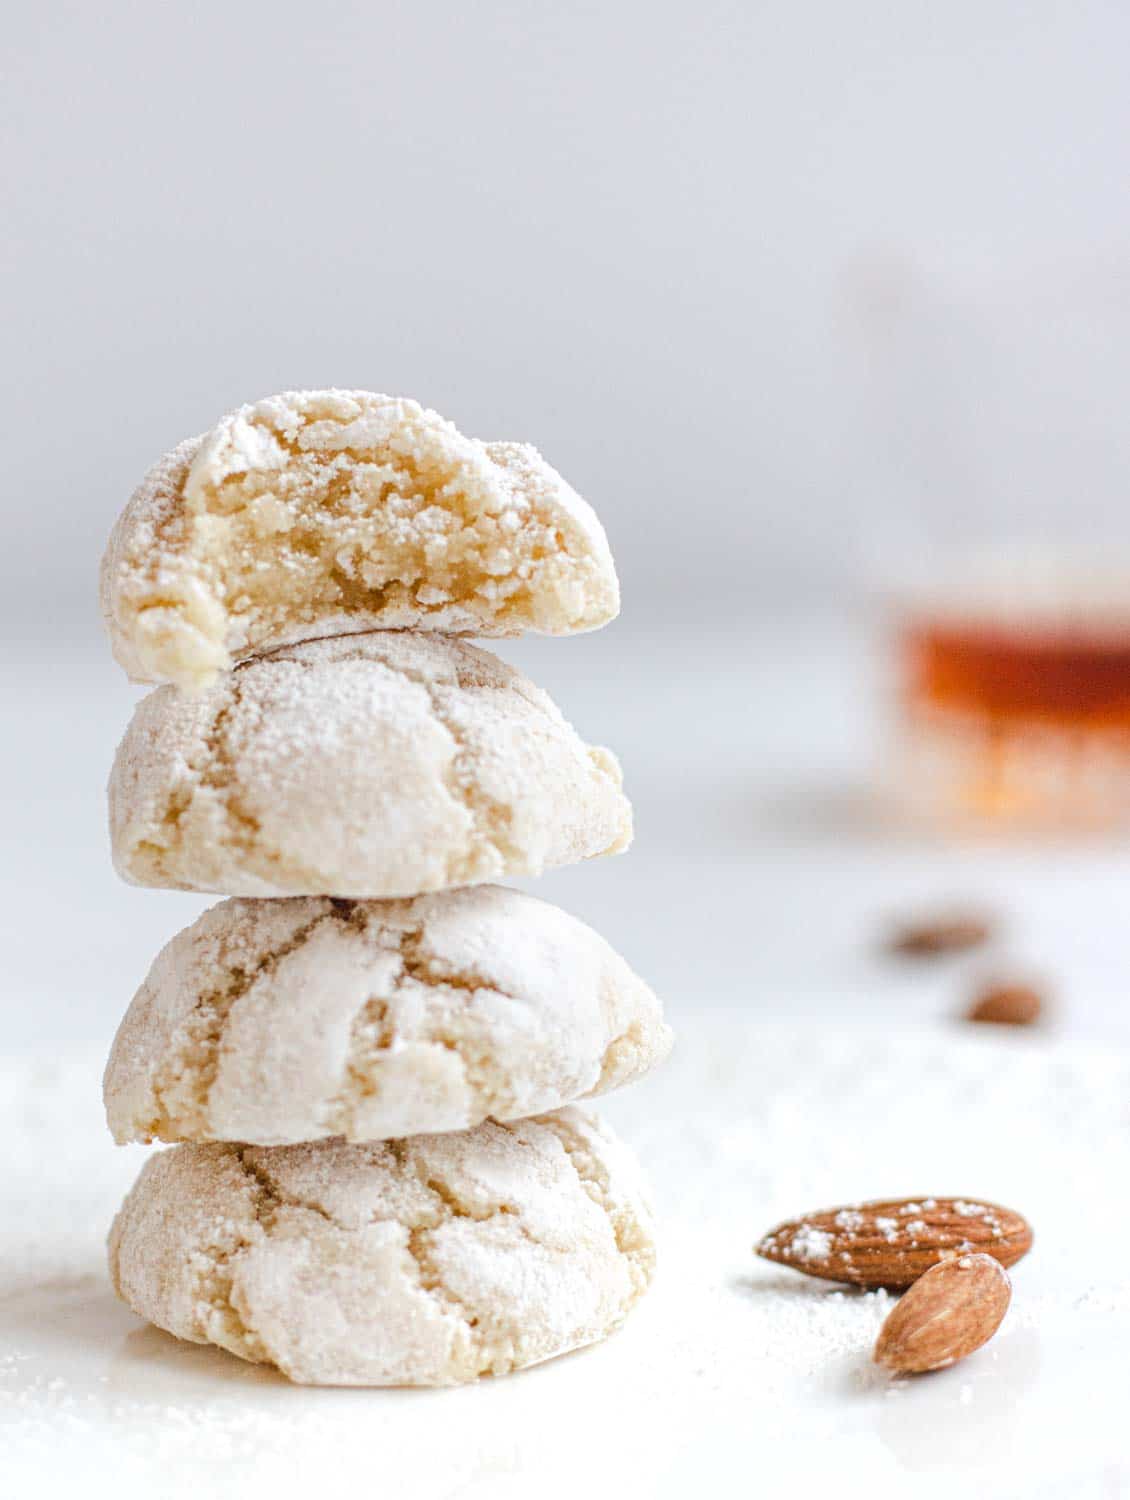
<point>385,537</point>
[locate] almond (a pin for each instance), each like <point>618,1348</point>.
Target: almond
<point>953,933</point>
<point>953,1309</point>
<point>891,1242</point>
<point>1007,1005</point>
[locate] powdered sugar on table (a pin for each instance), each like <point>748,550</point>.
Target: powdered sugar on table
<point>733,1371</point>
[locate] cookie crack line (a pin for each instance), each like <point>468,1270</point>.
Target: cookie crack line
<point>418,1250</point>
<point>268,1198</point>
<point>214,1285</point>
<point>486,815</point>
<point>487,1091</point>
<point>180,1094</point>
<point>418,1245</point>
<point>595,1186</point>
<point>212,770</point>
<point>219,1270</point>
<point>215,1279</point>
<point>203,1028</point>
<point>482,811</point>
<point>356,1085</point>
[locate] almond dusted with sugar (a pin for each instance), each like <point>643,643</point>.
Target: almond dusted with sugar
<point>891,1242</point>
<point>947,1314</point>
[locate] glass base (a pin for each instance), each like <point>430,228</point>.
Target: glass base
<point>965,770</point>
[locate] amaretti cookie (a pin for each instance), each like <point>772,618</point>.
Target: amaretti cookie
<point>426,1261</point>
<point>313,513</point>
<point>282,1021</point>
<point>389,764</point>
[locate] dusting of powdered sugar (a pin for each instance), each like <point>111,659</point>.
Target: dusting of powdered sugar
<point>809,1243</point>
<point>749,1124</point>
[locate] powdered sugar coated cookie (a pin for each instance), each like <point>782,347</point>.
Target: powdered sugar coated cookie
<point>314,513</point>
<point>388,764</point>
<point>282,1021</point>
<point>428,1261</point>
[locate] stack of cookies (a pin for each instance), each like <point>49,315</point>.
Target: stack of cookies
<point>367,1055</point>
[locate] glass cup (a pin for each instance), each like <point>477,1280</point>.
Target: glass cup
<point>997,450</point>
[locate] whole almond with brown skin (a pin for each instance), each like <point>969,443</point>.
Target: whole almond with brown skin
<point>891,1242</point>
<point>1007,1005</point>
<point>952,933</point>
<point>950,1311</point>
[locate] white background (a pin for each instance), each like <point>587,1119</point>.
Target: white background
<point>759,278</point>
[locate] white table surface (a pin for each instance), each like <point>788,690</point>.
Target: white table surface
<point>810,1070</point>
<point>732,1377</point>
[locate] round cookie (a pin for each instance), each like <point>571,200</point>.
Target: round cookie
<point>282,1021</point>
<point>426,1261</point>
<point>316,513</point>
<point>388,764</point>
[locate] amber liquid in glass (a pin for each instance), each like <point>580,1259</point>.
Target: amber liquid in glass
<point>1036,716</point>
<point>1015,677</point>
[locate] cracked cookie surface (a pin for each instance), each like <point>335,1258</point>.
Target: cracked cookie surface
<point>282,1021</point>
<point>316,513</point>
<point>427,1261</point>
<point>379,765</point>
